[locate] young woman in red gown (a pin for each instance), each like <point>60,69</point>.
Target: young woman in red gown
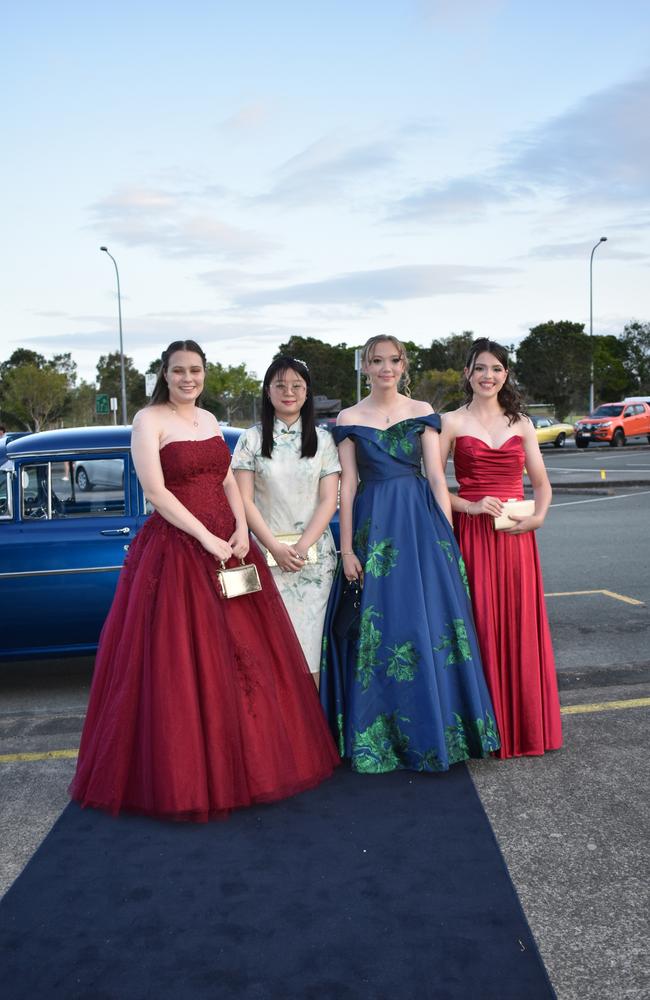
<point>492,440</point>
<point>198,704</point>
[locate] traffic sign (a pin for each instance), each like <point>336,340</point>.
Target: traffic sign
<point>101,403</point>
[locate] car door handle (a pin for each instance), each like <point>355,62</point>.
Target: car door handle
<point>115,531</point>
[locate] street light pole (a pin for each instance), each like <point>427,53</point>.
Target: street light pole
<point>603,239</point>
<point>119,313</point>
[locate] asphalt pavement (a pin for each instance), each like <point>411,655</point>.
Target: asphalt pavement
<point>573,825</point>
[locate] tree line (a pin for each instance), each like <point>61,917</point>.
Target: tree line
<point>551,364</point>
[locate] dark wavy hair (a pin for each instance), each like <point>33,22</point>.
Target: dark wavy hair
<point>160,392</point>
<point>309,439</point>
<point>509,397</point>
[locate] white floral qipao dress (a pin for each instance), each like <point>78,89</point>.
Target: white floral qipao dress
<point>286,495</point>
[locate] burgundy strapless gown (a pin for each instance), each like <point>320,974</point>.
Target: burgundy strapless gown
<point>198,704</point>
<point>505,580</point>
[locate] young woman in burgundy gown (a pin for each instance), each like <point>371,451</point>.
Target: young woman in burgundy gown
<point>198,704</point>
<point>492,441</point>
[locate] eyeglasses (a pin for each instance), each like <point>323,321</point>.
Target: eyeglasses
<point>296,387</point>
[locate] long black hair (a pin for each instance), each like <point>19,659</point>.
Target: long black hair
<point>509,397</point>
<point>309,439</point>
<point>160,392</point>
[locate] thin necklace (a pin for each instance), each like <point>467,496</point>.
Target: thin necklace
<point>379,410</point>
<point>195,423</point>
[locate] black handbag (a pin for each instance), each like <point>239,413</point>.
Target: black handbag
<point>347,616</point>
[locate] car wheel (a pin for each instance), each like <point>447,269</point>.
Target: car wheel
<point>83,482</point>
<point>618,439</point>
<point>560,440</point>
<point>581,444</point>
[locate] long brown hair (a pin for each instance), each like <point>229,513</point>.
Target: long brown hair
<point>160,392</point>
<point>509,397</point>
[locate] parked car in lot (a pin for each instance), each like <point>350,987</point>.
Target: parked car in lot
<point>105,472</point>
<point>614,423</point>
<point>62,541</point>
<point>552,431</point>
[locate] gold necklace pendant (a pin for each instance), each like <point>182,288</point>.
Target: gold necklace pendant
<point>195,423</point>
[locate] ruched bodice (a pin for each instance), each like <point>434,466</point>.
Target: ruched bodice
<point>482,470</point>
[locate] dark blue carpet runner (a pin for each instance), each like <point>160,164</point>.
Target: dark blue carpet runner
<point>381,887</point>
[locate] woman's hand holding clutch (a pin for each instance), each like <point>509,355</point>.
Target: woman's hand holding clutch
<point>240,542</point>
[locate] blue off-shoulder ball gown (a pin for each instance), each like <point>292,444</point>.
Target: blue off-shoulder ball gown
<point>408,690</point>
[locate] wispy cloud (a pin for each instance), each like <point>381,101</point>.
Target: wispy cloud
<point>596,153</point>
<point>468,197</point>
<point>327,168</point>
<point>173,225</point>
<point>580,250</point>
<point>372,287</point>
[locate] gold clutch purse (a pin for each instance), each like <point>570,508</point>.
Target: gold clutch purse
<point>522,508</point>
<point>292,539</point>
<point>240,580</point>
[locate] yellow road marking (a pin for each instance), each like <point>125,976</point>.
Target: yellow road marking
<point>606,593</point>
<point>597,706</point>
<point>605,706</point>
<point>9,758</point>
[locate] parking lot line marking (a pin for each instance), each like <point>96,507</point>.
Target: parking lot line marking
<point>605,706</point>
<point>575,468</point>
<point>10,758</point>
<point>621,496</point>
<point>606,593</point>
<point>597,706</point>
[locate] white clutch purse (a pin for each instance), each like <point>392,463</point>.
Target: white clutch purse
<point>291,539</point>
<point>522,508</point>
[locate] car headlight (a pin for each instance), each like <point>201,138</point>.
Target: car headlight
<point>607,423</point>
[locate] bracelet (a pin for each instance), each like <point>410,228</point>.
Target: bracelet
<point>347,553</point>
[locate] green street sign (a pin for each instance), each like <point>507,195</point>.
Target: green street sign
<point>101,403</point>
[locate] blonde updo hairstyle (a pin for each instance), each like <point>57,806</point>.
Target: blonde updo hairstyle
<point>367,353</point>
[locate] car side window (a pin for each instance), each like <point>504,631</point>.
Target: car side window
<point>5,495</point>
<point>73,489</point>
<point>629,410</point>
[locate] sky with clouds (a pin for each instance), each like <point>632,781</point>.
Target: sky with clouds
<point>335,170</point>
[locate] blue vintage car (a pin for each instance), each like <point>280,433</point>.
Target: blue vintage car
<point>70,504</point>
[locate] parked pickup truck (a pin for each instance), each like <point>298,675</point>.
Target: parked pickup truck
<point>614,423</point>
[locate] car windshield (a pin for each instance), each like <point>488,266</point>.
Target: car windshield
<point>608,411</point>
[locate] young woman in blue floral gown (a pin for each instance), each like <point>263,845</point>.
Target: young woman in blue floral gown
<point>405,687</point>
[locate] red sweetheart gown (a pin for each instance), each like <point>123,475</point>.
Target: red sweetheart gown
<point>198,704</point>
<point>505,580</point>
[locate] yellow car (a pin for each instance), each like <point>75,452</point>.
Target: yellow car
<point>551,431</point>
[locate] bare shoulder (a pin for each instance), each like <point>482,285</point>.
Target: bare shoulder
<point>348,416</point>
<point>453,418</point>
<point>420,408</point>
<point>148,419</point>
<point>525,427</point>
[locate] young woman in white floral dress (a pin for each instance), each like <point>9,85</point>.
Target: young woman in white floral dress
<point>287,470</point>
